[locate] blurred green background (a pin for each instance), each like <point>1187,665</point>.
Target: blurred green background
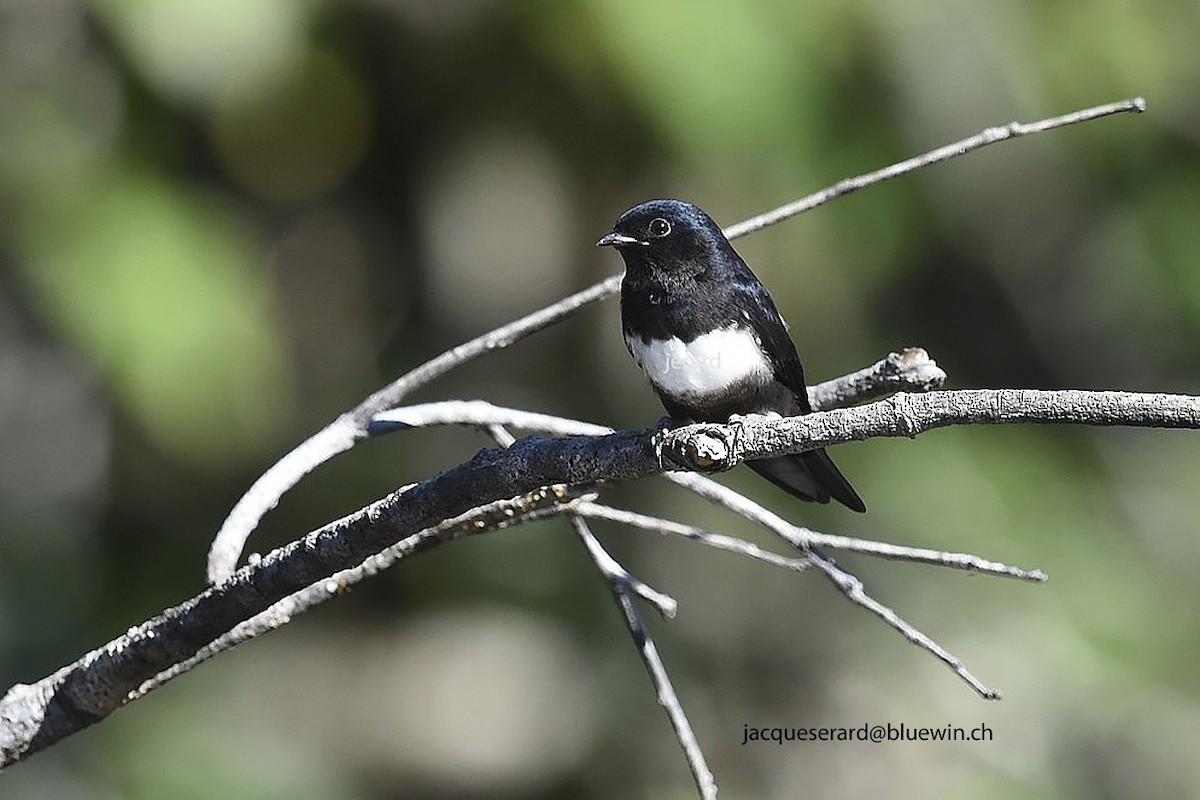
<point>224,222</point>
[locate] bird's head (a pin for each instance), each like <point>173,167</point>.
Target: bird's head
<point>669,238</point>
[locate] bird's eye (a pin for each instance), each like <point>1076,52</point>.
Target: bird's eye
<point>659,227</point>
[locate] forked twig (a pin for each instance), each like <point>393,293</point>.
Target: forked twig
<point>804,538</point>
<point>853,589</point>
<point>667,697</point>
<point>480,414</point>
<point>624,586</point>
<point>719,541</point>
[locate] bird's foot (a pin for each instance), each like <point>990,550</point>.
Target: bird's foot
<point>663,427</point>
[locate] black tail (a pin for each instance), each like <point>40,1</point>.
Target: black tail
<point>809,476</point>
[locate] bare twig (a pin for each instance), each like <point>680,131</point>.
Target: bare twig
<point>622,584</point>
<point>720,541</point>
<point>341,434</point>
<point>797,536</point>
<point>804,538</point>
<point>619,578</point>
<point>667,698</point>
<point>853,589</point>
<point>480,413</point>
<point>910,370</point>
<point>988,136</point>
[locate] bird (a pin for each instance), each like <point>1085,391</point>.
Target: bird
<point>707,334</point>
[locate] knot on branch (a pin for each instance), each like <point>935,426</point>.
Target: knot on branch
<point>699,448</point>
<point>913,366</point>
<point>906,420</point>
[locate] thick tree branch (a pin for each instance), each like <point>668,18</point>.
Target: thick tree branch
<point>714,448</point>
<point>32,717</point>
<point>483,414</point>
<point>413,520</point>
<point>548,501</point>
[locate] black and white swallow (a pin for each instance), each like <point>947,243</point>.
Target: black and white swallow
<point>707,334</point>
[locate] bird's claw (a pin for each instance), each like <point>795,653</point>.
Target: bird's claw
<point>663,426</point>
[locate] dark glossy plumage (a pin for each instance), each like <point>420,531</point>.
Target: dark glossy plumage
<point>708,335</point>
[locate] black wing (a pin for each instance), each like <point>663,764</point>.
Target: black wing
<point>811,475</point>
<point>772,334</point>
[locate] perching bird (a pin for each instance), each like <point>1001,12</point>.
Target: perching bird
<point>707,334</point>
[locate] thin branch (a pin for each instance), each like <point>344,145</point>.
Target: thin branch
<point>798,535</point>
<point>850,585</point>
<point>713,448</point>
<point>805,538</point>
<point>621,588</point>
<point>480,413</point>
<point>719,541</point>
<point>910,370</point>
<point>619,578</point>
<point>853,589</point>
<point>341,434</point>
<point>988,136</point>
<point>622,583</point>
<point>500,435</point>
<point>809,541</point>
<point>920,555</point>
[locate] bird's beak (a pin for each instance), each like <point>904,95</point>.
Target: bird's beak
<point>618,240</point>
